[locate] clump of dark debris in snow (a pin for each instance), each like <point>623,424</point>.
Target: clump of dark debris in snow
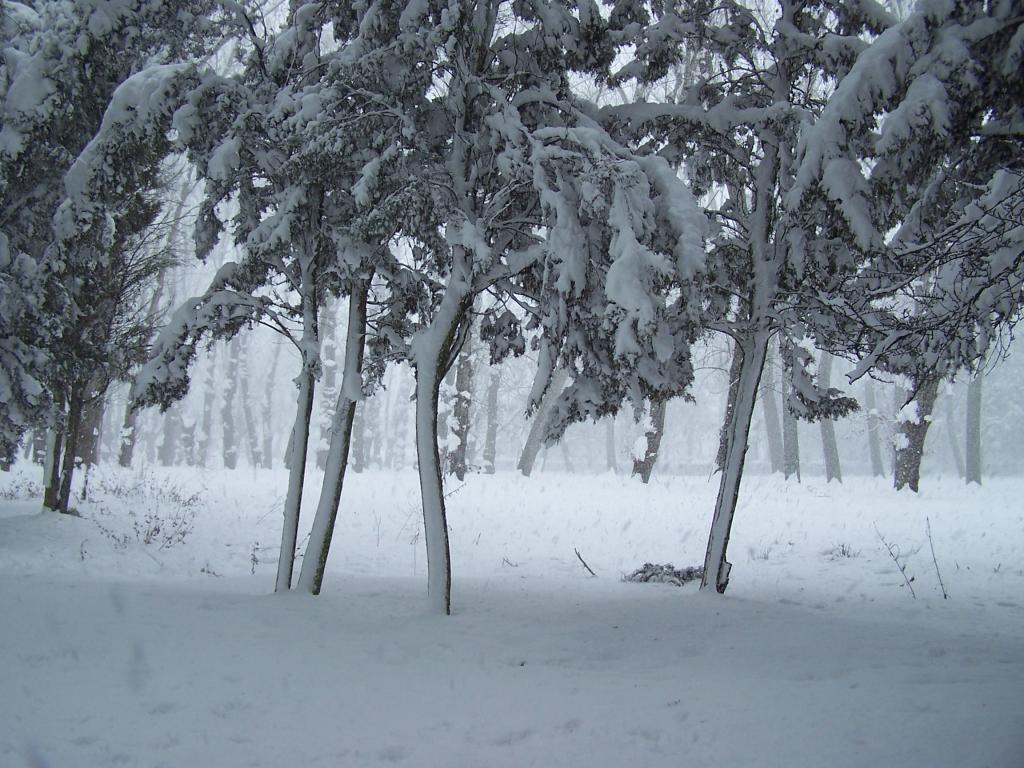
<point>665,574</point>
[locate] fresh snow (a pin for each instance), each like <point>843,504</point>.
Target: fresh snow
<point>116,653</point>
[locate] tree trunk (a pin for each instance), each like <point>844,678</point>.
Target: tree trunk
<point>359,438</point>
<point>730,405</point>
<point>268,410</point>
<point>953,434</point>
<point>752,356</point>
<point>432,351</point>
<point>51,467</point>
<point>72,430</point>
<point>459,464</point>
<point>770,408</point>
<point>913,430</point>
<point>653,434</point>
<point>973,453</point>
<point>790,444</point>
<point>535,439</point>
<point>874,442</point>
<point>300,435</point>
<point>92,428</point>
<point>491,436</point>
<point>829,447</point>
<point>611,464</point>
<point>167,452</point>
<point>329,387</point>
<point>311,577</point>
<point>209,399</point>
<point>229,449</point>
<point>252,438</point>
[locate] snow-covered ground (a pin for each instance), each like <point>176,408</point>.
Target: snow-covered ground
<point>172,653</point>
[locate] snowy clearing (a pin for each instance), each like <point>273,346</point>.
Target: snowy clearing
<point>120,653</point>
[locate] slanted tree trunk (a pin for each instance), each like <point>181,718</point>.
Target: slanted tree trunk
<point>458,464</point>
<point>751,353</point>
<point>874,442</point>
<point>730,405</point>
<point>310,348</point>
<point>913,430</point>
<point>829,447</point>
<point>535,439</point>
<point>770,412</point>
<point>229,447</point>
<point>433,349</point>
<point>311,577</point>
<point>652,435</point>
<point>973,463</point>
<point>491,435</point>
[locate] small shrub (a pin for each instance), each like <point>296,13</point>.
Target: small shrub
<point>19,487</point>
<point>169,511</point>
<point>665,574</point>
<point>840,551</point>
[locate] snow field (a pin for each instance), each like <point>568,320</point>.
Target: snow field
<point>114,652</point>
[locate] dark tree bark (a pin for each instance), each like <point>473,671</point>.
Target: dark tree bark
<point>72,431</point>
<point>51,466</point>
<point>973,463</point>
<point>910,441</point>
<point>645,466</point>
<point>829,448</point>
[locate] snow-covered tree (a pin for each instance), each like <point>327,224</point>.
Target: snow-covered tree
<point>522,192</point>
<point>274,139</point>
<point>916,166</point>
<point>80,153</point>
<point>764,78</point>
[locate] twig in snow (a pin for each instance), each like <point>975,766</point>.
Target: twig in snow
<point>928,527</point>
<point>509,563</point>
<point>589,569</point>
<point>895,555</point>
